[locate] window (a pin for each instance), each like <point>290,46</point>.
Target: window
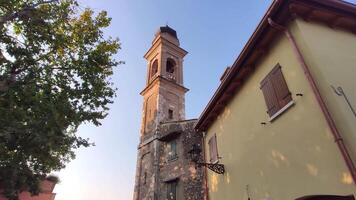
<point>213,149</point>
<point>170,64</point>
<point>170,114</point>
<point>154,68</point>
<point>145,178</point>
<point>276,92</point>
<point>172,190</point>
<point>172,150</point>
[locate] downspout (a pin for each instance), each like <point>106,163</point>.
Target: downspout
<point>205,170</point>
<point>338,139</point>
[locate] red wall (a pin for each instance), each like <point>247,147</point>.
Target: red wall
<point>46,194</point>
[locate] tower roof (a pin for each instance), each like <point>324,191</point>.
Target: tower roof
<point>167,29</point>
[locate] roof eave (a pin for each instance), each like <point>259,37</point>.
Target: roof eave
<point>248,47</point>
<point>272,12</point>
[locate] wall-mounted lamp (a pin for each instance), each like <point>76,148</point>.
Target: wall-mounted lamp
<point>194,154</point>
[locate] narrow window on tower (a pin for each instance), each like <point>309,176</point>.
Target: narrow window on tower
<point>172,150</point>
<point>170,114</point>
<point>154,68</point>
<point>145,178</point>
<point>172,190</point>
<point>170,65</point>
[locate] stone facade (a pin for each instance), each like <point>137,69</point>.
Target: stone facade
<point>157,167</point>
<point>189,177</point>
<point>164,170</point>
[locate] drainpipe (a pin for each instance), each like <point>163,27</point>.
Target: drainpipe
<point>338,139</point>
<point>205,169</point>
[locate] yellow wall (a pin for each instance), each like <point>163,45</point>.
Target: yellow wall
<point>331,55</point>
<point>293,156</point>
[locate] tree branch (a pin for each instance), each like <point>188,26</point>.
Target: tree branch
<point>25,10</point>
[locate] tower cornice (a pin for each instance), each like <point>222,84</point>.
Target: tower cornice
<point>161,40</point>
<point>159,79</point>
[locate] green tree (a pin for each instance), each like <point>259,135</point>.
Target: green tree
<point>55,69</point>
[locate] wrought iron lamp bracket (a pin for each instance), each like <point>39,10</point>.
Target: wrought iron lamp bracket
<point>217,168</point>
<point>340,92</point>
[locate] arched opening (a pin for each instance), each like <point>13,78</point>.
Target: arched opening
<point>154,68</point>
<point>170,65</point>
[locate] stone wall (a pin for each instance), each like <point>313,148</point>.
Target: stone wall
<point>189,178</point>
<point>156,168</point>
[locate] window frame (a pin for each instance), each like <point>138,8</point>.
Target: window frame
<point>144,178</point>
<point>154,68</point>
<point>170,114</point>
<point>213,149</point>
<point>172,187</point>
<point>276,93</point>
<point>171,68</point>
<point>172,152</point>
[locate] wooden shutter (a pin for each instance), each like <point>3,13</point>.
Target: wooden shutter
<point>213,149</point>
<point>275,91</point>
<point>280,86</point>
<point>270,96</point>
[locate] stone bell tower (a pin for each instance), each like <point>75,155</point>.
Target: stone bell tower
<point>163,170</point>
<point>164,91</point>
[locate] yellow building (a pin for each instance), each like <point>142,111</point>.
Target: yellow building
<point>283,121</point>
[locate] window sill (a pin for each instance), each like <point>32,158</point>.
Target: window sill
<point>282,110</point>
<point>214,162</point>
<point>173,158</point>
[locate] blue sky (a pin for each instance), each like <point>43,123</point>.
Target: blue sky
<point>213,32</point>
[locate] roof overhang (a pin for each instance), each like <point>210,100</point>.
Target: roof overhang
<point>334,13</point>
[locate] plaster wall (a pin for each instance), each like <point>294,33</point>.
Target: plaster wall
<point>331,56</point>
<point>292,156</point>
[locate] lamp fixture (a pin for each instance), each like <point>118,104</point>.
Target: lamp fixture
<point>194,154</point>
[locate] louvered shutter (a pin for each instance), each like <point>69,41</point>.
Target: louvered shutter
<point>270,96</point>
<point>210,149</point>
<point>280,87</point>
<point>213,149</point>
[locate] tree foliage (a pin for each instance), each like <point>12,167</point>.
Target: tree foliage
<point>55,68</point>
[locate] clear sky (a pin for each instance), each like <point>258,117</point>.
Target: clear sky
<point>213,32</point>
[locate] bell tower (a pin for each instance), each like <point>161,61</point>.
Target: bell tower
<point>164,92</point>
<point>163,169</point>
